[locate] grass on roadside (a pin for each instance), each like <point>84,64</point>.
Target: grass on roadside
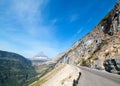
<point>47,76</point>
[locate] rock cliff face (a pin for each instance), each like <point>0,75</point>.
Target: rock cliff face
<point>99,48</point>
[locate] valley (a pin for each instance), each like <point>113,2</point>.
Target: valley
<point>93,60</point>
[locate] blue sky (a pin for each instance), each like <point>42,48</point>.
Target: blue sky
<point>28,27</point>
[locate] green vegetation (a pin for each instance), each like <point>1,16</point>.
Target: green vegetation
<point>43,69</point>
<point>65,79</point>
<point>47,76</point>
<point>83,62</point>
<point>15,70</point>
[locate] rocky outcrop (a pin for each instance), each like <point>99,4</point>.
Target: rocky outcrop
<point>98,46</point>
<point>111,65</point>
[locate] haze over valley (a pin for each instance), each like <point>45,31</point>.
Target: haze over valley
<point>59,43</point>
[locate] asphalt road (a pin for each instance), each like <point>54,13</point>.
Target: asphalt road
<point>92,77</point>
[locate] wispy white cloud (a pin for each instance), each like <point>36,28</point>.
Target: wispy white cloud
<point>54,21</point>
<point>28,10</point>
<point>78,32</point>
<point>29,14</point>
<point>32,36</point>
<point>27,28</point>
<point>85,26</point>
<point>74,17</point>
<point>29,46</point>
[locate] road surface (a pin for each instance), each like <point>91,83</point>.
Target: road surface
<point>94,77</point>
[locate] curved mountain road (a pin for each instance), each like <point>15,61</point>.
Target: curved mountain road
<point>92,77</point>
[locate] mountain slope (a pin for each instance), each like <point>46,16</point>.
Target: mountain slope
<point>62,75</point>
<point>100,48</point>
<point>15,70</point>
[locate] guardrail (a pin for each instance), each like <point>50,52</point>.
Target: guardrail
<point>75,82</point>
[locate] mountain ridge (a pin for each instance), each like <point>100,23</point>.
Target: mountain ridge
<point>99,47</point>
<point>15,70</point>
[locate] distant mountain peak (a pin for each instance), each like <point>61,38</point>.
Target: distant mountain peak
<point>40,56</point>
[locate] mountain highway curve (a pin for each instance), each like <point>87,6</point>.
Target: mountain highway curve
<point>93,77</point>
